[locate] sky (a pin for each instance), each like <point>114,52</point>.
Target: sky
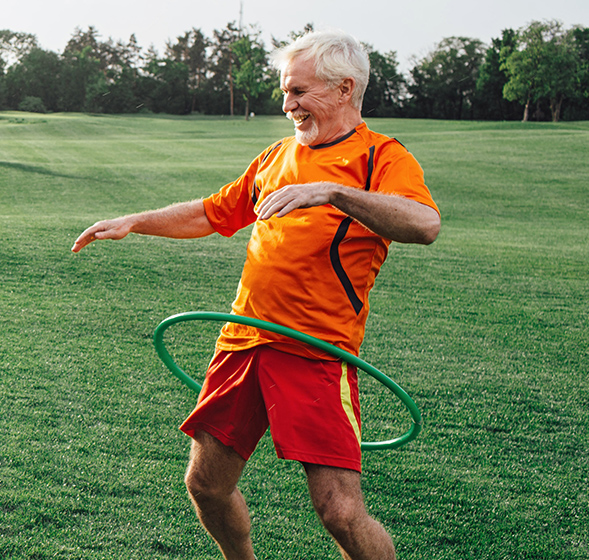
<point>410,28</point>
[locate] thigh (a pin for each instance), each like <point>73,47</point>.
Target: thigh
<point>334,488</point>
<point>214,467</point>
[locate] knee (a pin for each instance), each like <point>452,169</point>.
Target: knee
<point>213,470</point>
<point>202,487</point>
<point>194,482</point>
<point>340,516</point>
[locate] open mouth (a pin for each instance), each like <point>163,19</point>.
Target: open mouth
<point>299,119</point>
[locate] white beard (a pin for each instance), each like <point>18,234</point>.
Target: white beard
<point>306,137</point>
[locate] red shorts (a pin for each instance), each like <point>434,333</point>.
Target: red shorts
<point>311,406</point>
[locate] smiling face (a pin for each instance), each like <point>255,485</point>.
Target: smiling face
<point>320,113</point>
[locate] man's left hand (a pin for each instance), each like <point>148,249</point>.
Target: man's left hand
<point>291,197</point>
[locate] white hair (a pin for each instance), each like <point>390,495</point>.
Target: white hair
<point>336,55</point>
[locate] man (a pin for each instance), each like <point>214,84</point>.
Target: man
<point>325,205</point>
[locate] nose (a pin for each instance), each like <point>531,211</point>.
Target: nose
<point>289,103</point>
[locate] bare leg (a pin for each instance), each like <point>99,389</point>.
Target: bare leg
<point>211,479</point>
<point>337,498</point>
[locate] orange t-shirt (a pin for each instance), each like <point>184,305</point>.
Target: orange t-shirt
<point>312,269</point>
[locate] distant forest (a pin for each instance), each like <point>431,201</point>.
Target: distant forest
<point>540,72</point>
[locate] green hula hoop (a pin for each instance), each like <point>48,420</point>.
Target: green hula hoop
<point>158,339</point>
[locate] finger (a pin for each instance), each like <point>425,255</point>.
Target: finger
<point>81,242</point>
<point>287,208</point>
<point>87,237</point>
<point>281,202</point>
<point>264,210</point>
<point>278,205</point>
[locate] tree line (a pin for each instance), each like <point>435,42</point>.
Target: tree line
<point>537,72</point>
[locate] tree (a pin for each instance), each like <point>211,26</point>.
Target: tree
<point>561,70</point>
<point>443,84</point>
<point>191,49</point>
<point>490,103</point>
<point>37,74</point>
<point>101,76</point>
<point>165,87</point>
<point>87,42</point>
<point>545,64</point>
<point>32,105</point>
<point>578,106</point>
<point>84,69</point>
<point>2,85</point>
<point>121,75</point>
<point>250,69</point>
<point>15,45</point>
<point>385,85</point>
<point>222,59</point>
<point>83,80</point>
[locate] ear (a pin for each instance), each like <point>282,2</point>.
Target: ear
<point>346,90</point>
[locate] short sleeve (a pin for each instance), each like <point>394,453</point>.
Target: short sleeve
<point>398,172</point>
<point>232,208</point>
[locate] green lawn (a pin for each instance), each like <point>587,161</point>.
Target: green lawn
<point>486,329</point>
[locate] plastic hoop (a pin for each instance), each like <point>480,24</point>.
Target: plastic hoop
<point>158,339</point>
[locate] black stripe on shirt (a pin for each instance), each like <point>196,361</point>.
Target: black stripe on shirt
<point>339,269</point>
<point>370,167</point>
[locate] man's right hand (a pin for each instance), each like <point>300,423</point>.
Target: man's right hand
<point>184,220</point>
<point>106,229</point>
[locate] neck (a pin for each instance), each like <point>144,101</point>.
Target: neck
<point>349,121</point>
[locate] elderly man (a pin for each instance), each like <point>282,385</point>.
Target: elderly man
<point>325,205</point>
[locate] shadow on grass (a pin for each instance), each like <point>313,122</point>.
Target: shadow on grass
<point>36,169</point>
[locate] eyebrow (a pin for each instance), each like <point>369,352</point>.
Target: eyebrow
<point>293,87</point>
<point>297,90</point>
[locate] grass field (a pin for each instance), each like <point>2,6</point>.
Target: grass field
<point>486,329</point>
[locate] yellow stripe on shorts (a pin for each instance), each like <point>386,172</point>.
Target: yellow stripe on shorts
<point>346,396</point>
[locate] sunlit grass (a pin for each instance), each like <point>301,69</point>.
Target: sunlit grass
<point>486,329</point>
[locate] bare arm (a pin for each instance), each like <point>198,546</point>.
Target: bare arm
<point>185,220</point>
<point>392,217</point>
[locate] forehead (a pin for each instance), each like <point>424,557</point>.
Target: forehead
<point>299,71</point>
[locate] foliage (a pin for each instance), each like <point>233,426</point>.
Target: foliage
<point>32,105</point>
<point>15,45</point>
<point>250,69</point>
<point>578,103</point>
<point>545,65</point>
<point>486,329</point>
<point>386,86</point>
<point>191,50</point>
<point>166,87</point>
<point>222,63</point>
<point>541,69</point>
<point>443,83</point>
<point>490,102</point>
<point>39,74</point>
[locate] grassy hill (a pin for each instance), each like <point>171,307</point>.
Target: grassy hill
<point>486,329</point>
